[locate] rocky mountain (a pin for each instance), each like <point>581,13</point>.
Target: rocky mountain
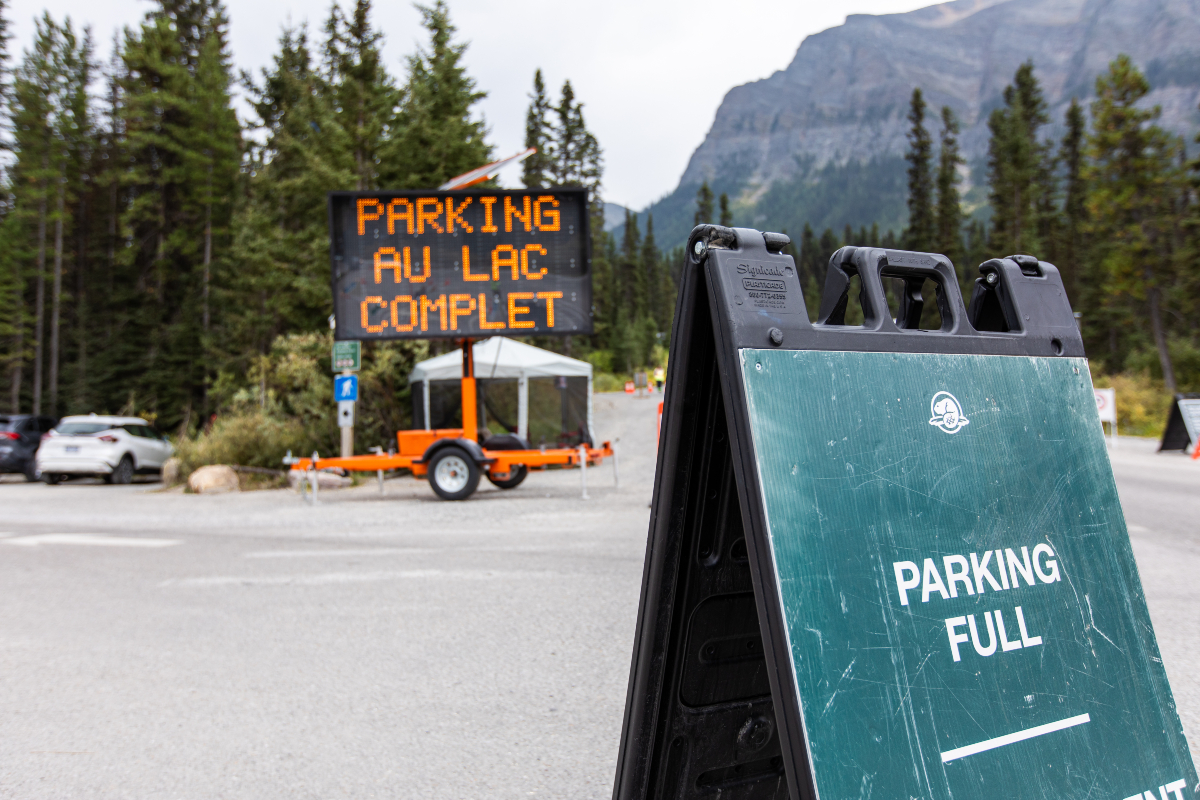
<point>823,140</point>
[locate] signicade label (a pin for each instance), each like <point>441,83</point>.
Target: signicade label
<point>963,611</point>
<point>419,265</point>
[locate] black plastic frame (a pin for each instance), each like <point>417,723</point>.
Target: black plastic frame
<point>708,502</point>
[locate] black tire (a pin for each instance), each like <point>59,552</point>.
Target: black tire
<point>123,472</point>
<point>31,471</point>
<point>50,479</point>
<point>453,474</point>
<point>519,472</point>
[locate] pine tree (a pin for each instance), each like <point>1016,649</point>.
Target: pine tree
<point>921,223</point>
<point>35,100</point>
<point>660,289</point>
<point>704,204</point>
<point>536,169</point>
<point>949,207</point>
<point>1074,211</point>
<point>726,214</point>
<point>628,278</point>
<point>436,137</point>
<point>1133,185</point>
<point>577,160</point>
<point>365,99</point>
<point>1020,168</point>
<point>278,276</point>
<point>179,123</point>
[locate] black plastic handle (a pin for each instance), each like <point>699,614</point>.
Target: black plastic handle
<point>872,265</point>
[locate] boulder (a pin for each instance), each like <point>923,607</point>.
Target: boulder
<point>171,469</point>
<point>213,479</point>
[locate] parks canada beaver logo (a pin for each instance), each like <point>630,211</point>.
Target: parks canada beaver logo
<point>946,413</point>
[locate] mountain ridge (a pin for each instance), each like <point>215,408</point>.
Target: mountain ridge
<point>843,99</point>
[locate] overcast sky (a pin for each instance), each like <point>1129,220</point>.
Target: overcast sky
<point>651,73</point>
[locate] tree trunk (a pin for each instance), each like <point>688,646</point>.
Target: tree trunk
<point>81,318</point>
<point>39,324</point>
<point>18,364</point>
<point>207,259</point>
<point>1154,295</point>
<point>56,300</point>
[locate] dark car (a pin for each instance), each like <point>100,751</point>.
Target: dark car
<point>20,436</point>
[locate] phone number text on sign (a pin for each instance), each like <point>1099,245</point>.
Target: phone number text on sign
<point>419,265</point>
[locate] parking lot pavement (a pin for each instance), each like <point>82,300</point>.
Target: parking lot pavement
<point>157,644</point>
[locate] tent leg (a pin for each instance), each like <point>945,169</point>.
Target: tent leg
<point>583,469</point>
<point>425,392</point>
<point>523,407</point>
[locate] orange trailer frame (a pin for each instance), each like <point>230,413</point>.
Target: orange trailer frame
<point>415,449</point>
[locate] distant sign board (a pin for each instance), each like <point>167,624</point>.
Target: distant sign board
<point>1106,405</point>
<point>1183,423</point>
<point>420,265</point>
<point>347,355</point>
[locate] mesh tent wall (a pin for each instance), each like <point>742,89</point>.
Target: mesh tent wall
<point>512,379</point>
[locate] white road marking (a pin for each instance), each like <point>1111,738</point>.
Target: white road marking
<point>403,551</point>
<point>1011,738</point>
<point>365,551</point>
<point>90,540</point>
<point>327,578</point>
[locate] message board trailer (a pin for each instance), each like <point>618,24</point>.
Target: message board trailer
<point>886,561</point>
<point>455,264</point>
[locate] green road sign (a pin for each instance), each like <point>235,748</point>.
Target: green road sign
<point>884,561</point>
<point>347,355</point>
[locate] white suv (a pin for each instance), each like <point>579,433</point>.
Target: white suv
<point>114,448</point>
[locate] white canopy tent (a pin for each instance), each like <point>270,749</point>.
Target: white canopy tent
<point>501,358</point>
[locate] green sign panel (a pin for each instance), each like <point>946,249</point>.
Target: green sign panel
<point>886,559</point>
<point>964,616</point>
<point>347,355</point>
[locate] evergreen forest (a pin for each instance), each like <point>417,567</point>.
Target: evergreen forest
<point>161,257</point>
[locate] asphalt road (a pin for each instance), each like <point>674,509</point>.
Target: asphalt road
<point>161,645</point>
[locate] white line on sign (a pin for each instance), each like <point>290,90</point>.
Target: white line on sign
<point>1010,738</point>
<point>89,539</point>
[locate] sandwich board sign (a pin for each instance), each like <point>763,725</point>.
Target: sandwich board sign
<point>1183,423</point>
<point>888,562</point>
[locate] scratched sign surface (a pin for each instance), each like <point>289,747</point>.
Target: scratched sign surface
<point>420,265</point>
<point>963,610</point>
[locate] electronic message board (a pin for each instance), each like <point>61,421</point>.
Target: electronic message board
<point>420,265</point>
<point>889,562</point>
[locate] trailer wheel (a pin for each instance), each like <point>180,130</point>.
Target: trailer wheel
<point>517,474</point>
<point>453,474</point>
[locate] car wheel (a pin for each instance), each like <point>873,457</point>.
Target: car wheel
<point>453,474</point>
<point>50,479</point>
<point>123,472</point>
<point>31,471</point>
<point>517,474</point>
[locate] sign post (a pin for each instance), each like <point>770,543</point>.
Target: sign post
<point>345,390</point>
<point>886,561</point>
<point>1106,409</point>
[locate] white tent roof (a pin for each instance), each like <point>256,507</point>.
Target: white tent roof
<point>498,357</point>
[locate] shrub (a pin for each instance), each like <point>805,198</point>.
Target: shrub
<point>251,438</point>
<point>1142,402</point>
<point>607,382</point>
